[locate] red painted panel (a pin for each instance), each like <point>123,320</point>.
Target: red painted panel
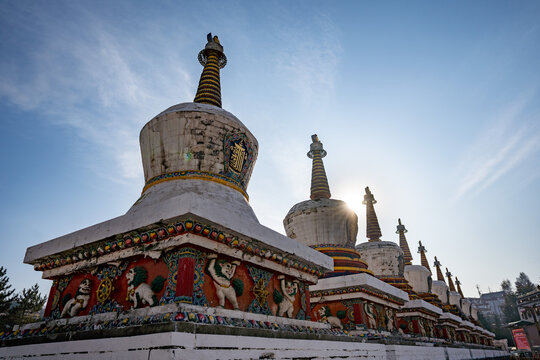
<point>358,314</point>
<point>185,277</point>
<point>48,309</point>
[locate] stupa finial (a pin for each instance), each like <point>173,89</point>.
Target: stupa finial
<point>437,265</point>
<point>373,231</point>
<point>450,282</point>
<point>403,243</point>
<point>213,59</point>
<point>319,181</point>
<point>458,284</point>
<point>423,259</point>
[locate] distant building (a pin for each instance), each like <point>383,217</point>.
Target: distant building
<point>529,306</point>
<point>528,327</point>
<point>490,304</point>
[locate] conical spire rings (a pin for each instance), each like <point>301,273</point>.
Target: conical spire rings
<point>373,231</point>
<point>403,243</point>
<point>319,181</point>
<point>213,59</point>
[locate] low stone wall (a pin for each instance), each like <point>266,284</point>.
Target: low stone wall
<point>196,345</point>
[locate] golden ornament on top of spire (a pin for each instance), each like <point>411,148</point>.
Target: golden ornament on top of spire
<point>319,181</point>
<point>403,243</point>
<point>451,286</point>
<point>437,265</point>
<point>213,59</point>
<point>373,231</point>
<point>423,259</point>
<point>458,284</point>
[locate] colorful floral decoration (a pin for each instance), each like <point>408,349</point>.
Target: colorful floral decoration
<point>301,314</point>
<point>198,294</point>
<point>109,306</point>
<point>145,238</point>
<point>192,317</point>
<point>260,278</point>
<point>199,175</point>
<point>348,290</point>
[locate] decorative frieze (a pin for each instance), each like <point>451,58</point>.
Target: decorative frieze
<point>141,240</point>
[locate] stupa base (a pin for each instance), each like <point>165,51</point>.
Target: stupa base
<point>200,345</point>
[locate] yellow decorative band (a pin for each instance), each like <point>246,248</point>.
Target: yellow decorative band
<point>210,84</point>
<point>336,248</point>
<point>210,81</point>
<point>195,175</point>
<point>350,268</point>
<point>347,258</point>
<point>208,100</point>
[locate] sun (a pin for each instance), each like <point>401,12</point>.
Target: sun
<point>354,201</point>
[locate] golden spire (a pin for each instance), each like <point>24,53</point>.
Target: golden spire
<point>450,282</point>
<point>319,182</point>
<point>458,283</point>
<point>213,59</point>
<point>437,265</point>
<point>403,243</point>
<point>423,260</point>
<point>373,231</point>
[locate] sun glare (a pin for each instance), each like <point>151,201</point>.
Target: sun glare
<point>354,201</point>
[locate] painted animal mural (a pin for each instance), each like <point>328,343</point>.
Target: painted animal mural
<point>389,319</point>
<point>326,317</point>
<point>138,291</point>
<point>371,315</point>
<point>222,272</point>
<point>72,306</point>
<point>429,329</point>
<point>285,298</point>
<point>421,327</point>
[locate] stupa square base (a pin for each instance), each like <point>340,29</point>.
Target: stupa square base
<point>194,345</point>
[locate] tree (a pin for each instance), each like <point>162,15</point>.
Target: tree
<point>523,284</point>
<point>6,296</point>
<point>30,302</point>
<point>509,309</point>
<point>485,321</point>
<point>21,308</point>
<point>506,286</point>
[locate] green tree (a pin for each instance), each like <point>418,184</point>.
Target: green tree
<point>30,302</point>
<point>523,284</point>
<point>6,297</point>
<point>502,332</point>
<point>506,286</point>
<point>485,321</point>
<point>509,309</point>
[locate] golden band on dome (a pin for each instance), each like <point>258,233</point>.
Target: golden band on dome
<point>348,259</point>
<point>348,268</point>
<point>194,175</point>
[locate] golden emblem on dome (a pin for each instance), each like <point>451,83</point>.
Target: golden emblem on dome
<point>237,156</point>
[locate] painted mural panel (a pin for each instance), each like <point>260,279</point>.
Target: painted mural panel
<point>189,275</point>
<point>231,284</point>
<point>109,288</point>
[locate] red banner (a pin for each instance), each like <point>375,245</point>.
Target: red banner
<point>521,339</point>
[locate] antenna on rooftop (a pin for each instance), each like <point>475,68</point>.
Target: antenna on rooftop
<point>478,289</point>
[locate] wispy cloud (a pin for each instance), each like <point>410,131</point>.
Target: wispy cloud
<point>308,56</point>
<point>100,82</point>
<point>508,142</point>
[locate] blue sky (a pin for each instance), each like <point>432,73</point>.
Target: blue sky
<point>434,105</point>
